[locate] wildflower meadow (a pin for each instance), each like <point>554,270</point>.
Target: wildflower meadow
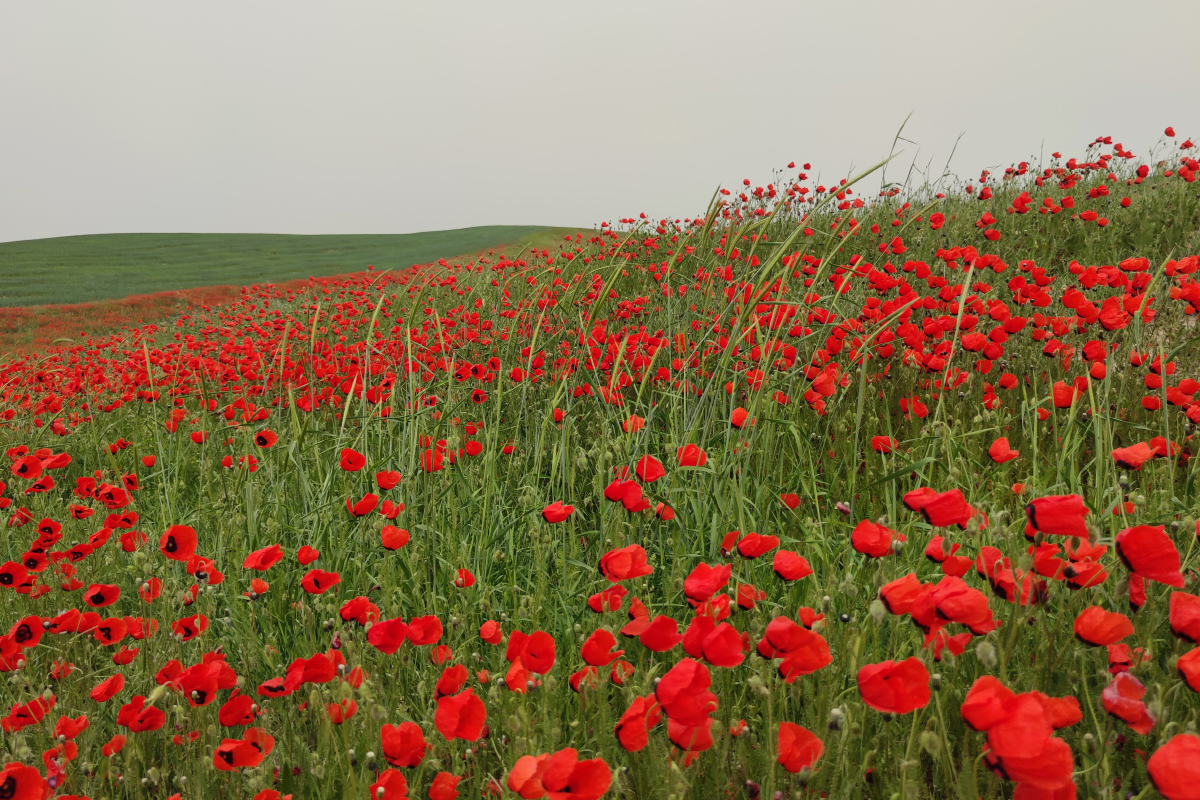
<point>841,488</point>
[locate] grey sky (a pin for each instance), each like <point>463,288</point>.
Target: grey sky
<point>354,117</point>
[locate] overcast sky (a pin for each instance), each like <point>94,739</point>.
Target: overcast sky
<point>394,117</point>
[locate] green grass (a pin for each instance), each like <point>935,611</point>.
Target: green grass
<point>77,269</point>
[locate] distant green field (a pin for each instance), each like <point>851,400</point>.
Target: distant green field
<point>77,269</point>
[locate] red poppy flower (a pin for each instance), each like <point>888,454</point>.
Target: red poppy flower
<point>1175,767</point>
<point>632,731</point>
<point>1134,456</point>
<point>723,646</point>
<point>265,438</point>
<point>387,479</point>
<point>625,563</point>
<point>490,632</point>
<point>444,786</point>
<point>388,635</point>
<point>557,512</point>
<point>706,580</point>
<point>460,716</point>
<point>1057,515</point>
<point>610,599</point>
<point>798,747</point>
<point>1123,699</point>
<point>263,559</point>
<point>683,693</point>
<point>237,710</point>
<point>1185,616</point>
<point>21,782</point>
<point>178,543</point>
<point>363,507</point>
<point>108,688</point>
<point>790,499</point>
<point>1001,453</point>
<point>112,746</point>
<point>895,687</point>
<point>464,579</point>
<point>151,589</point>
<point>790,566</point>
<point>560,775</point>
<point>872,539</point>
<point>99,595</point>
<point>393,538</point>
<point>27,632</point>
<point>451,680</point>
<point>424,630</point>
<point>883,444</point>
<point>138,717</point>
<point>597,649</point>
<point>536,652</point>
<point>802,650</point>
<point>649,469</point>
<point>1189,668</point>
<point>29,468</point>
<point>352,460</point>
<point>318,581</point>
<point>189,628</point>
<point>740,418</point>
<point>306,555</point>
<point>1098,627</point>
<point>390,785</point>
<point>753,545</point>
<point>661,635</point>
<point>946,508</point>
<point>404,745</point>
<point>1149,552</point>
<point>691,456</point>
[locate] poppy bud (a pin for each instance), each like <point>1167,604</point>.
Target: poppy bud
<point>931,743</point>
<point>985,651</point>
<point>836,716</point>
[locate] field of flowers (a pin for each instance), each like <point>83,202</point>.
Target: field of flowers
<point>825,492</point>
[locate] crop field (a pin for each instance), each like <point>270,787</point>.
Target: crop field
<point>826,492</point>
<point>75,287</point>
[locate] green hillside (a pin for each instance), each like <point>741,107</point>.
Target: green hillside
<point>76,269</point>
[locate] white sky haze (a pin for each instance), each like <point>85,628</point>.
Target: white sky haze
<point>396,117</point>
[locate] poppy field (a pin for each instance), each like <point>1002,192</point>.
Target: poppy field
<point>825,492</point>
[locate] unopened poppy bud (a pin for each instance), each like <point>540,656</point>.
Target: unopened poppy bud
<point>985,651</point>
<point>935,681</point>
<point>931,743</point>
<point>878,611</point>
<point>836,716</point>
<point>370,756</point>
